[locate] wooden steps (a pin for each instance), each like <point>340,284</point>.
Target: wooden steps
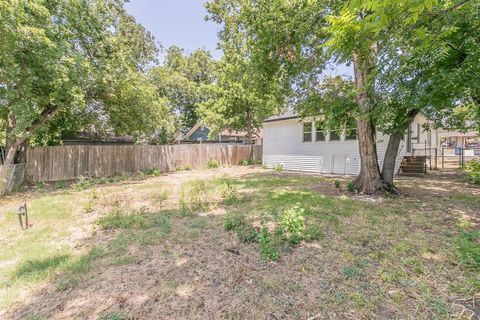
<point>413,166</point>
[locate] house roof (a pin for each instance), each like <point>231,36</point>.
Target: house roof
<point>226,132</point>
<point>284,116</point>
<point>192,130</point>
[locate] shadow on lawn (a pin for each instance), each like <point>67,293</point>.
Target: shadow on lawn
<point>377,259</point>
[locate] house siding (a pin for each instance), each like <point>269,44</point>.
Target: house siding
<point>283,144</point>
<point>201,134</point>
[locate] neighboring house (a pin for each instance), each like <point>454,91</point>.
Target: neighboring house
<point>449,140</point>
<point>301,145</point>
<point>180,135</point>
<point>200,132</point>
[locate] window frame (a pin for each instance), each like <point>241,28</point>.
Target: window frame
<point>307,132</point>
<point>339,136</point>
<point>354,131</point>
<point>322,133</point>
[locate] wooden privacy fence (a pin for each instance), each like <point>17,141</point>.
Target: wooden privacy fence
<point>70,162</point>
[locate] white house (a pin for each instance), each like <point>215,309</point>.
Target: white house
<point>301,145</point>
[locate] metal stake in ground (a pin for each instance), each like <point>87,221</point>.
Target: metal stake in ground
<point>22,211</point>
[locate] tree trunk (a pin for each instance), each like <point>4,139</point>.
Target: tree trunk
<point>370,180</point>
<point>16,142</point>
<point>390,157</point>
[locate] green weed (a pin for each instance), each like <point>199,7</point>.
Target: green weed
<point>159,198</point>
<point>468,250</point>
<point>472,171</point>
<point>337,185</point>
<point>278,168</point>
<point>292,223</point>
<point>267,247</point>
<point>120,220</point>
<point>154,172</point>
<point>212,164</point>
<point>351,187</point>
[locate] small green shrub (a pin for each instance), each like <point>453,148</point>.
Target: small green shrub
<point>233,222</point>
<point>278,168</point>
<point>245,162</point>
<point>150,172</point>
<point>250,162</point>
<point>247,233</point>
<point>61,184</point>
<point>292,223</point>
<point>82,183</point>
<point>229,193</point>
<point>351,187</point>
<point>88,207</point>
<point>267,248</point>
<point>472,171</point>
<point>212,164</point>
<point>337,184</point>
<point>40,185</point>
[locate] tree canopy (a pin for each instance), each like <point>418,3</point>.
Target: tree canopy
<point>75,59</point>
<point>387,42</point>
<point>182,79</point>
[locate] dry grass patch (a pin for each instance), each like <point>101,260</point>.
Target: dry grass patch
<point>168,251</point>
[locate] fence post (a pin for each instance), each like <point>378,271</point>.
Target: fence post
<point>443,158</point>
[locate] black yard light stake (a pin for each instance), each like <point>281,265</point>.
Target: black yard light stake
<point>22,211</point>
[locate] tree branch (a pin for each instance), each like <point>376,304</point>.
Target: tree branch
<point>443,12</point>
<point>44,117</point>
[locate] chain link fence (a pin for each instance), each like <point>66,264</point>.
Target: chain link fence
<point>11,177</point>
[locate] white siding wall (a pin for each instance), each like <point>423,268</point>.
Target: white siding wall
<point>283,144</point>
<point>420,135</point>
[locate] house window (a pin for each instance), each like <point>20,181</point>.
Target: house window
<point>202,128</point>
<point>351,134</point>
<point>334,135</point>
<point>419,131</point>
<point>307,132</point>
<point>319,133</point>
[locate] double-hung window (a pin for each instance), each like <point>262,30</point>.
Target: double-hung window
<point>319,132</point>
<point>351,134</point>
<point>307,131</point>
<point>334,135</point>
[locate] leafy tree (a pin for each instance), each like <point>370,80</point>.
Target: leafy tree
<point>182,80</point>
<point>240,98</point>
<point>74,57</point>
<point>292,41</point>
<point>238,101</point>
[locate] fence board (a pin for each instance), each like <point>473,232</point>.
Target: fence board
<point>70,162</point>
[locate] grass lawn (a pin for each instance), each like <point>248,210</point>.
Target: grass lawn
<point>242,243</point>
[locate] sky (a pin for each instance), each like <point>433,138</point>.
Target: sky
<point>177,22</point>
<point>182,23</point>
